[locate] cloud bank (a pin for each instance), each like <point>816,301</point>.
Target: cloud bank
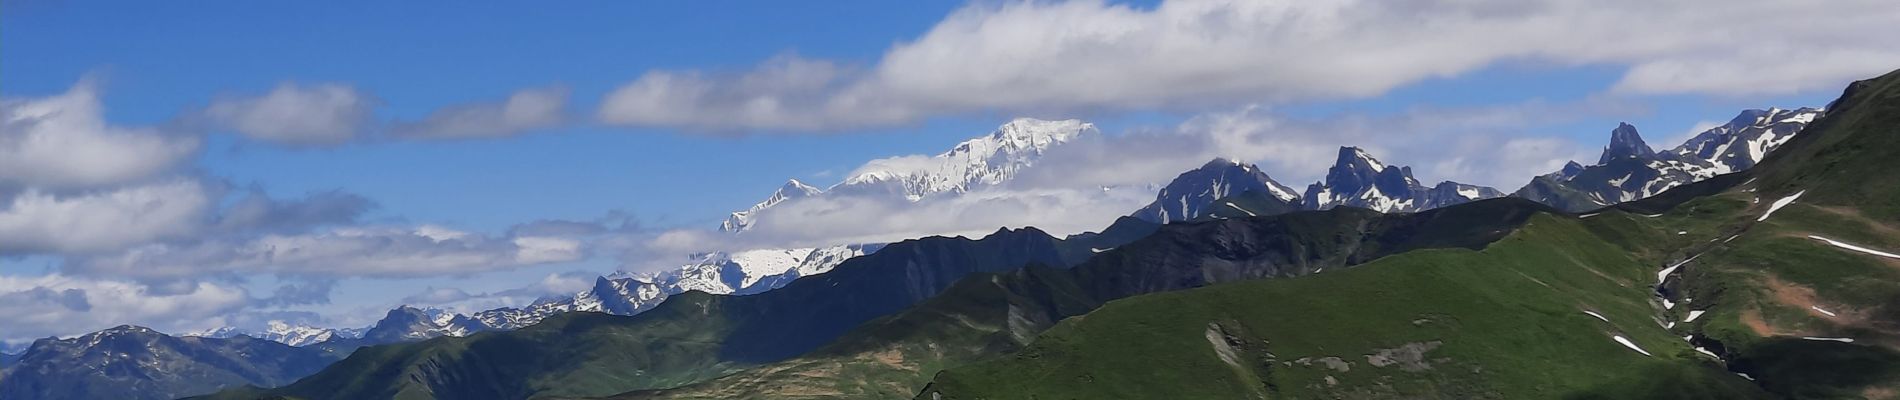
<point>1030,57</point>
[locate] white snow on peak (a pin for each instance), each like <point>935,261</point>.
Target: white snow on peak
<point>1367,157</point>
<point>1823,311</point>
<point>792,189</point>
<point>1784,202</point>
<point>986,160</point>
<point>1829,339</point>
<point>296,335</point>
<point>1849,246</point>
<point>982,161</point>
<point>274,330</point>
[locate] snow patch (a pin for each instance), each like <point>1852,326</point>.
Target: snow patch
<point>1594,314</point>
<point>1663,276</point>
<point>1845,245</point>
<point>1784,202</point>
<point>1693,315</point>
<point>1818,308</point>
<point>1632,346</point>
<point>1706,351</point>
<point>1829,339</point>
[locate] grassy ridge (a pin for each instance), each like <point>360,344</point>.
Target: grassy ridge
<point>987,316</point>
<point>1503,322</point>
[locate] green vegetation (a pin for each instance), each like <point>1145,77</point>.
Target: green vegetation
<point>1501,322</point>
<point>1504,322</point>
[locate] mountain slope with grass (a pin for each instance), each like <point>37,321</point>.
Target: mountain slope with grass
<point>1779,282</point>
<point>990,315</point>
<point>688,338</point>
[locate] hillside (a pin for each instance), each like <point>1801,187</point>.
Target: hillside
<point>990,315</point>
<point>1768,283</point>
<point>689,337</point>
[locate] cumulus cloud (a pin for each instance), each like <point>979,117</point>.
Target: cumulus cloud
<point>258,212</point>
<point>527,109</point>
<point>1501,145</point>
<point>35,221</point>
<point>781,93</point>
<point>64,142</point>
<point>313,292</point>
<point>55,304</point>
<point>308,115</point>
<point>1020,57</point>
<point>349,251</point>
<point>458,300</point>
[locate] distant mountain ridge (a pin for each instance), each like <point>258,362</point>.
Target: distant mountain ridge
<point>1630,170</point>
<point>1357,179</point>
<point>1189,195</point>
<point>986,160</point>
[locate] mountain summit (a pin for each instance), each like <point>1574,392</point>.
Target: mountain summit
<point>982,161</point>
<point>1625,142</point>
<point>1357,179</point>
<point>1629,170</point>
<point>1191,194</point>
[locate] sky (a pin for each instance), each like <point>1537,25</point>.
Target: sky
<point>232,162</point>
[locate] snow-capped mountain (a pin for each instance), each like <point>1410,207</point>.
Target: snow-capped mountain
<point>1630,170</point>
<point>987,160</point>
<point>792,189</point>
<point>134,362</point>
<point>282,332</point>
<point>1358,180</point>
<point>1190,195</point>
<point>1746,139</point>
<point>739,273</point>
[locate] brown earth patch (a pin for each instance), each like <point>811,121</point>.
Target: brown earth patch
<point>1854,214</point>
<point>890,357</point>
<point>1752,319</point>
<point>1880,393</point>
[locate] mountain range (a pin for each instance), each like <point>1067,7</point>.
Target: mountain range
<point>983,161</point>
<point>1196,268</point>
<point>1630,170</point>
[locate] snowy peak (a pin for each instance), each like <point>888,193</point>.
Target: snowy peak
<point>1190,195</point>
<point>1629,170</point>
<point>739,273</point>
<point>985,160</point>
<point>1625,142</point>
<point>793,189</point>
<point>1357,179</point>
<point>276,331</point>
<point>1745,139</point>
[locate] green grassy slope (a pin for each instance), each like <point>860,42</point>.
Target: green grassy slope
<point>986,316</point>
<point>1504,322</point>
<point>688,338</point>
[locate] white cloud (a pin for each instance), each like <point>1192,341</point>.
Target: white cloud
<point>63,142</point>
<point>457,300</point>
<point>55,304</point>
<point>1499,146</point>
<point>527,109</point>
<point>1026,57</point>
<point>839,219</point>
<point>376,252</point>
<point>315,115</point>
<point>34,221</point>
<point>784,92</point>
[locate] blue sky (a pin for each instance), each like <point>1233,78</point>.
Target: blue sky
<point>935,73</point>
